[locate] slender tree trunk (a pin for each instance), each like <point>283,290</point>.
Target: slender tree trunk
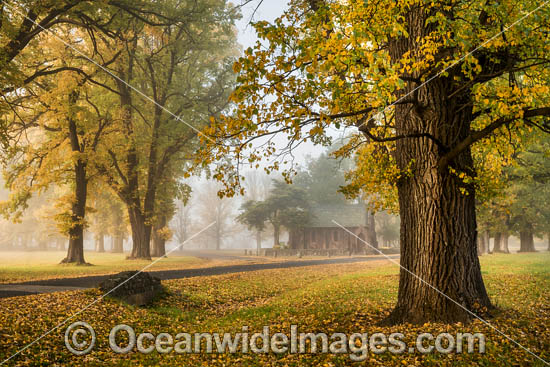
<point>42,245</point>
<point>371,230</point>
<point>218,235</point>
<point>526,240</point>
<point>548,239</point>
<point>487,239</point>
<point>130,194</point>
<point>437,208</point>
<point>100,242</point>
<point>117,244</point>
<point>60,244</point>
<point>482,244</point>
<point>497,247</point>
<point>276,233</point>
<point>259,243</point>
<point>504,241</point>
<point>159,243</point>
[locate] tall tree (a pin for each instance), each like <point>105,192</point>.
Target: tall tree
<point>254,215</point>
<point>54,133</point>
<point>449,82</point>
<point>185,69</point>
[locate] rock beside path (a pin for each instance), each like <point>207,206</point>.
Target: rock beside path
<point>132,287</point>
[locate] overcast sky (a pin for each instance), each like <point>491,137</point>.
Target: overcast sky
<point>269,10</point>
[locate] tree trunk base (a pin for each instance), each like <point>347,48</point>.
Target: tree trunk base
<point>74,262</point>
<point>138,258</point>
<point>452,314</point>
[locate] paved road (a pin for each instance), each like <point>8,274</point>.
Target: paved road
<point>65,284</point>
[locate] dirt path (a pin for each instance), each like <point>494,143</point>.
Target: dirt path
<point>65,284</point>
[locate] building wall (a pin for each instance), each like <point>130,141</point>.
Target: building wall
<point>329,238</point>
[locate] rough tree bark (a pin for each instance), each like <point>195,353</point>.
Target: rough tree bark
<point>158,247</point>
<point>526,240</point>
<point>75,253</point>
<point>141,234</point>
<point>437,209</point>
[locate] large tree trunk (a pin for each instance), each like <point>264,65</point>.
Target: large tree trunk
<point>159,243</point>
<point>371,230</point>
<point>526,240</point>
<point>75,253</point>
<point>437,208</point>
<point>141,235</point>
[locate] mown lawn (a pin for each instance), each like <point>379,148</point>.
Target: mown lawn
<point>337,298</point>
<point>19,266</point>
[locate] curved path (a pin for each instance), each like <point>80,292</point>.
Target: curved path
<point>66,284</point>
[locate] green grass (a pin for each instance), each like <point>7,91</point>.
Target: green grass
<point>336,298</point>
<point>18,266</point>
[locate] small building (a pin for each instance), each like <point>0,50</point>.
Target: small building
<point>324,234</point>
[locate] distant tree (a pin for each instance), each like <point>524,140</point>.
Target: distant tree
<point>323,178</point>
<point>286,206</point>
<point>529,186</point>
<point>388,228</point>
<point>183,221</point>
<point>254,215</point>
<point>257,187</point>
<point>216,210</point>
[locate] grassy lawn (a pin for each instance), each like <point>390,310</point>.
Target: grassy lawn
<point>336,298</point>
<point>19,266</point>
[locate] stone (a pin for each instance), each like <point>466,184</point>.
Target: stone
<point>132,287</point>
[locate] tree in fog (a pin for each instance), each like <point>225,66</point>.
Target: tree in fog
<point>183,222</point>
<point>257,185</point>
<point>254,215</point>
<point>286,206</point>
<point>219,211</point>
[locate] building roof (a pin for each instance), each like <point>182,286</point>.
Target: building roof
<point>348,215</point>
